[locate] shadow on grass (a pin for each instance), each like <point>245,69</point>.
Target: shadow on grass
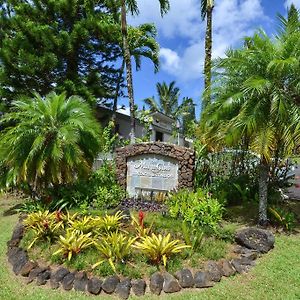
<point>12,210</point>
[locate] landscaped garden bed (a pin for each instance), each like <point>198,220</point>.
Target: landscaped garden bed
<point>118,255</point>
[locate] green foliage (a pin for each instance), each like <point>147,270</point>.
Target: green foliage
<point>114,247</point>
<point>73,243</point>
<point>197,208</point>
<point>283,218</point>
<point>44,225</point>
<point>192,236</point>
<point>108,197</point>
<point>49,141</point>
<point>111,223</point>
<point>30,206</point>
<point>84,225</point>
<point>100,190</point>
<point>53,45</point>
<point>159,248</point>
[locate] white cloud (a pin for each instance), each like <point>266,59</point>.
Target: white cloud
<point>288,3</point>
<point>182,31</point>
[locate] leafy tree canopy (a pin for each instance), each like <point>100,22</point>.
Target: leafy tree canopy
<point>62,45</point>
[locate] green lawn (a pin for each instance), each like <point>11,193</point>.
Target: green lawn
<point>276,276</point>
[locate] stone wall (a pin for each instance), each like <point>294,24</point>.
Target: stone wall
<point>184,156</point>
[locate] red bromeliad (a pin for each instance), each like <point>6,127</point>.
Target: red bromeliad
<point>141,218</point>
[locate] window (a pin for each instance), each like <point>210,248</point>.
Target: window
<point>159,136</point>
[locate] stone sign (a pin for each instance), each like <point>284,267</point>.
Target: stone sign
<point>154,167</point>
<point>151,172</point>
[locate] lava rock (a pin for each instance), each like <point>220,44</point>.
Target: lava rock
<point>123,289</point>
<point>42,278</point>
<point>18,232</point>
<point>240,268</point>
<point>25,270</point>
<point>227,269</point>
<point>80,281</point>
<point>214,271</point>
<point>67,282</point>
<point>94,285</point>
<point>256,239</point>
<point>110,283</point>
<point>12,254</point>
<point>34,273</point>
<point>156,283</point>
<point>185,278</point>
<point>202,280</point>
<point>170,285</point>
<point>20,260</point>
<point>138,287</point>
<point>59,274</point>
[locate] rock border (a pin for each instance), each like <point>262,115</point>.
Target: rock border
<point>122,287</point>
<point>184,156</point>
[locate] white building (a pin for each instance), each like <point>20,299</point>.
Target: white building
<point>162,127</point>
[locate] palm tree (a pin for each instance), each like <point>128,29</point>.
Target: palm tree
<point>49,141</point>
<point>142,43</point>
<point>255,97</point>
<point>132,6</point>
<point>207,7</point>
<point>168,103</point>
<point>168,97</point>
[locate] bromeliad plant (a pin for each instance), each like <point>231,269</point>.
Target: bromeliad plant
<point>44,225</point>
<point>84,225</point>
<point>114,247</point>
<point>138,224</point>
<point>159,248</point>
<point>109,223</point>
<point>73,243</point>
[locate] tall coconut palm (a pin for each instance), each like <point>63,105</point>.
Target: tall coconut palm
<point>168,99</point>
<point>168,103</point>
<point>49,141</point>
<point>255,96</point>
<point>142,43</point>
<point>132,7</point>
<point>207,7</point>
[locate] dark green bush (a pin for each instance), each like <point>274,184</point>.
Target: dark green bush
<point>100,189</point>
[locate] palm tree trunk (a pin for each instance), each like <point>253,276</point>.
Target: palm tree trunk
<point>127,59</point>
<point>263,192</point>
<point>115,105</point>
<point>208,55</point>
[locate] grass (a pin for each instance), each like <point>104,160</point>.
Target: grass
<point>276,275</point>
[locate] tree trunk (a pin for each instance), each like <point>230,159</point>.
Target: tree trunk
<point>263,192</point>
<point>208,55</point>
<point>127,59</point>
<point>115,105</point>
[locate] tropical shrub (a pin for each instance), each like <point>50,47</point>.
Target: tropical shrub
<point>73,243</point>
<point>192,237</point>
<point>114,247</point>
<point>283,218</point>
<point>44,226</point>
<point>100,190</point>
<point>110,223</point>
<point>158,248</point>
<point>197,208</point>
<point>108,197</point>
<point>48,141</point>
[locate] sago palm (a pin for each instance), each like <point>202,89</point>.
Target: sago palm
<point>49,141</point>
<point>255,92</point>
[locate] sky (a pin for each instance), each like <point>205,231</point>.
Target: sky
<point>181,38</point>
